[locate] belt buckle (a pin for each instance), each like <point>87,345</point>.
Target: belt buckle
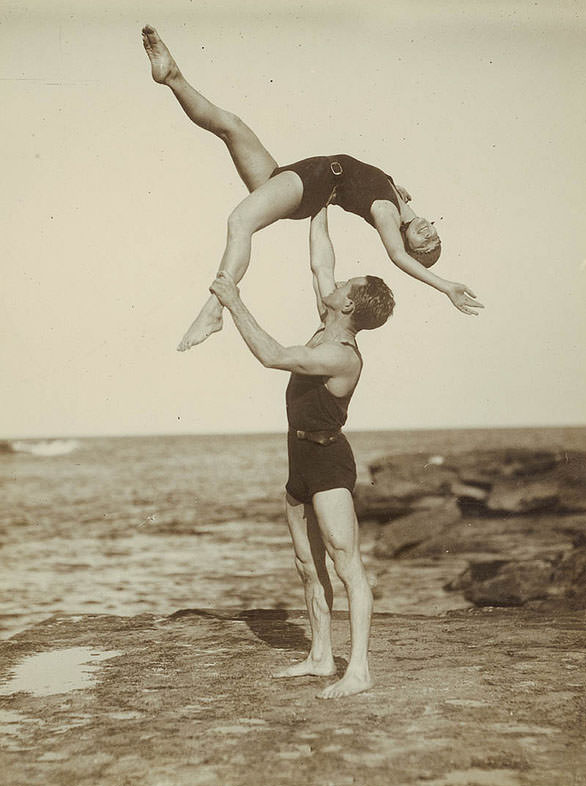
<point>336,168</point>
<point>300,434</point>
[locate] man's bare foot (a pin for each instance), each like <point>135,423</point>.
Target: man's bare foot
<point>323,668</point>
<point>203,327</point>
<point>350,684</point>
<point>163,68</point>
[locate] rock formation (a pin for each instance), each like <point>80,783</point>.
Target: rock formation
<point>519,517</point>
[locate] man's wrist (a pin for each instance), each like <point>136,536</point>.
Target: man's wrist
<point>234,304</point>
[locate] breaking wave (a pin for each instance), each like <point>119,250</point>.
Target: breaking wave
<point>45,447</point>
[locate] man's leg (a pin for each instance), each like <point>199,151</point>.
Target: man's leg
<point>275,199</point>
<point>339,528</point>
<point>311,566</point>
<point>253,162</point>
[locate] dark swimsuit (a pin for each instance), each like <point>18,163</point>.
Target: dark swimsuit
<point>312,408</point>
<point>357,185</point>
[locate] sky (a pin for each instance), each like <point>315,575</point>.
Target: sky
<point>115,207</point>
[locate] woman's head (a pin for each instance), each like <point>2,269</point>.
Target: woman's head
<point>422,241</point>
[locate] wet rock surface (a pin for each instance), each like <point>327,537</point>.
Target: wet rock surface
<point>517,516</point>
<point>484,696</point>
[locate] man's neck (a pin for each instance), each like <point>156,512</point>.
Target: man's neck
<point>338,327</point>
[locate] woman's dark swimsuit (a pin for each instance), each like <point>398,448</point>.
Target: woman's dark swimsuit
<point>357,185</point>
<point>314,412</point>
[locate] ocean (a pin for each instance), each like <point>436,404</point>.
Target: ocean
<point>126,525</point>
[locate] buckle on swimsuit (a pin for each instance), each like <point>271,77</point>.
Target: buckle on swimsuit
<point>336,168</point>
<point>319,437</point>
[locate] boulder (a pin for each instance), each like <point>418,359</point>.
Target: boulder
<point>510,495</point>
<point>562,487</point>
<point>499,583</point>
<point>513,481</point>
<point>484,467</point>
<point>370,503</point>
<point>569,576</point>
<point>408,531</point>
<point>570,475</point>
<point>410,476</point>
<point>474,573</point>
<point>466,493</point>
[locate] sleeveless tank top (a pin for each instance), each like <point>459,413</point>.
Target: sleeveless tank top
<point>311,406</point>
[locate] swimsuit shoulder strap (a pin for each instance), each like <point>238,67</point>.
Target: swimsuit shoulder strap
<point>354,347</point>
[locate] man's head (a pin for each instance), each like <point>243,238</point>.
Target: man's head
<point>422,241</point>
<point>366,301</point>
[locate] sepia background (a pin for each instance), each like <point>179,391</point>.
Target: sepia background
<point>115,208</point>
<point>142,522</point>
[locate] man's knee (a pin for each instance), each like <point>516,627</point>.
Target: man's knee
<point>347,563</point>
<point>306,570</point>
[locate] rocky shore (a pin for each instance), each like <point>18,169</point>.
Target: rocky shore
<point>517,516</point>
<point>484,697</point>
<point>488,695</point>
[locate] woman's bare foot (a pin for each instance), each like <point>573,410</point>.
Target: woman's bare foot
<point>207,322</point>
<point>350,684</point>
<point>323,668</point>
<point>163,68</point>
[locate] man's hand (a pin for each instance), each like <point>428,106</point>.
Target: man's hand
<point>403,193</point>
<point>224,288</point>
<point>463,298</point>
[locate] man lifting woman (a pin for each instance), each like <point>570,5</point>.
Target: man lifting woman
<point>299,191</point>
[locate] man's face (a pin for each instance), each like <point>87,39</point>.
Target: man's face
<point>340,297</point>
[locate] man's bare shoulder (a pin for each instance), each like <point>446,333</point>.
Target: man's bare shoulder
<point>344,354</point>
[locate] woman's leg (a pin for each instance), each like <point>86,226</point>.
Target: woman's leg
<point>275,199</point>
<point>310,561</point>
<point>253,162</point>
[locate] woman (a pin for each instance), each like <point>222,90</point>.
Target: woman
<point>297,191</point>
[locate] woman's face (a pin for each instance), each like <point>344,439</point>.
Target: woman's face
<point>421,235</point>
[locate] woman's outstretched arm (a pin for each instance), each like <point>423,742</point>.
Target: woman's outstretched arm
<point>462,297</point>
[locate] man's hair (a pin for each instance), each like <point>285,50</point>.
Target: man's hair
<point>373,303</point>
<point>426,258</point>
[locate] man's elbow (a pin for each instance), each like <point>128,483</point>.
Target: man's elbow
<point>273,360</point>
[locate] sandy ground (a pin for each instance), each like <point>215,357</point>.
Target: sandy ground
<point>491,697</point>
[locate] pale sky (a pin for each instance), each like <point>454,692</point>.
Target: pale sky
<point>115,208</point>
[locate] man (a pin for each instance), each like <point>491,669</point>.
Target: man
<point>322,472</point>
<point>298,191</point>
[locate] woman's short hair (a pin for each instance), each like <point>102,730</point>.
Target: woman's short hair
<point>426,258</point>
<point>373,303</point>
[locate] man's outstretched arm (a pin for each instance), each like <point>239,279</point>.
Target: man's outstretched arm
<point>326,359</point>
<point>321,258</point>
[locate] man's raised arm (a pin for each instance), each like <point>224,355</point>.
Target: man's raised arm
<point>327,359</point>
<point>321,258</point>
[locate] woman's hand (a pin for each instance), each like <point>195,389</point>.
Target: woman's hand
<point>403,193</point>
<point>463,298</point>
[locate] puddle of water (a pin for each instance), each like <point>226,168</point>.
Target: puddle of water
<point>58,671</point>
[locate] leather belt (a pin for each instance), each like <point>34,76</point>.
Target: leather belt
<point>320,437</point>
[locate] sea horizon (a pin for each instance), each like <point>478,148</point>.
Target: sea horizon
<point>272,432</point>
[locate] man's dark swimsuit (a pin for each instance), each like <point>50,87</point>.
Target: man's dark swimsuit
<point>357,185</point>
<point>312,408</point>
